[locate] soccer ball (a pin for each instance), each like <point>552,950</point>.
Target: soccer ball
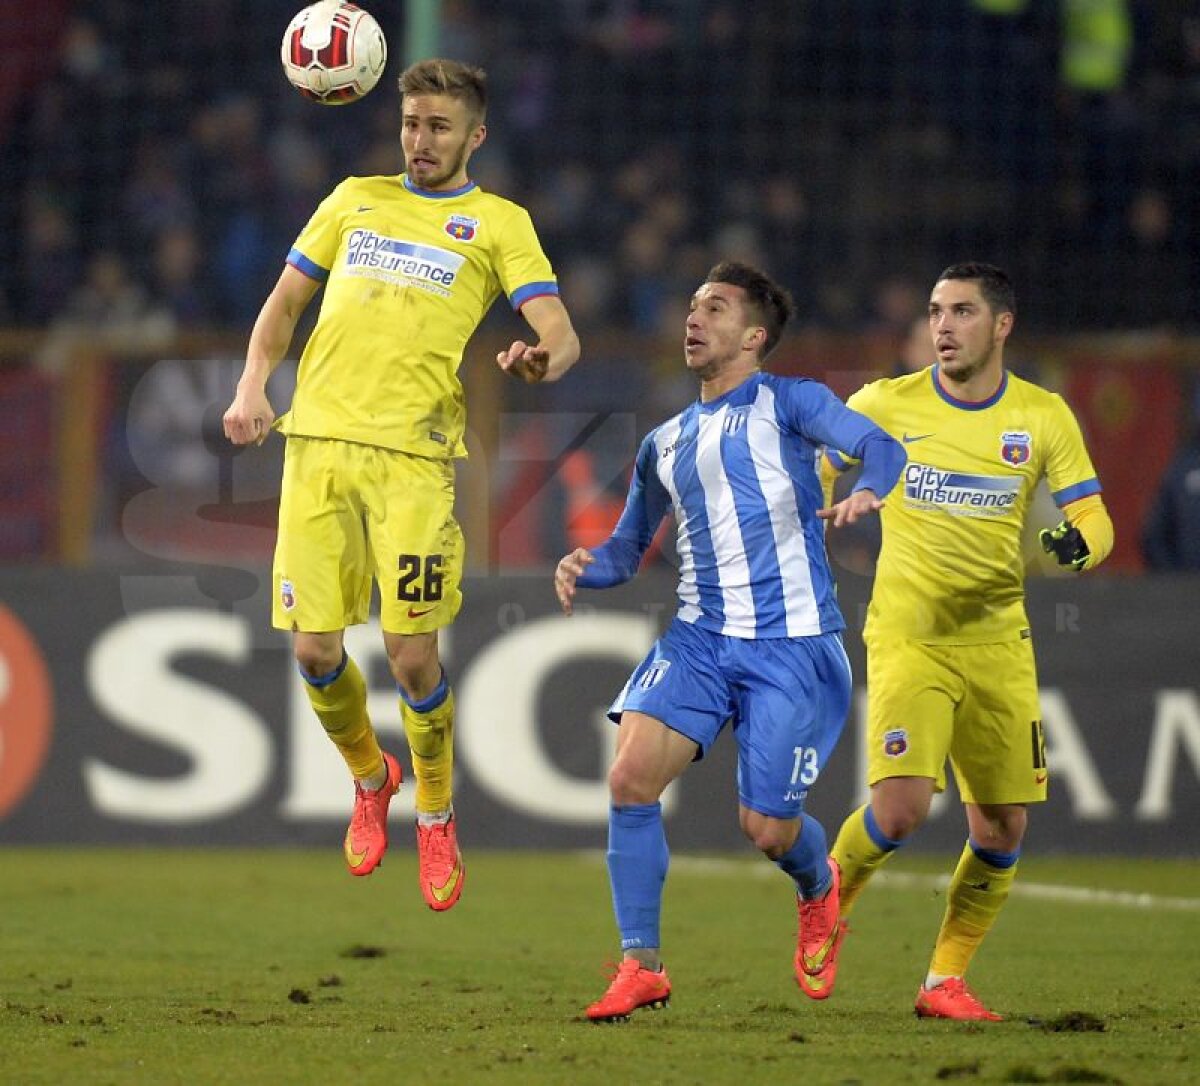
<point>333,52</point>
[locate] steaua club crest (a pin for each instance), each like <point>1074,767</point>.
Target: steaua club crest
<point>461,227</point>
<point>1015,447</point>
<point>895,743</point>
<point>287,595</point>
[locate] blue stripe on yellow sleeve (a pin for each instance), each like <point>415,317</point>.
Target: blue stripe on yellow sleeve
<point>307,267</point>
<point>532,290</point>
<point>1074,493</point>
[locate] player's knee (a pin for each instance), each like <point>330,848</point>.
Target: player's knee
<point>414,664</point>
<point>898,823</point>
<point>317,657</point>
<point>999,830</point>
<point>772,840</point>
<point>630,783</point>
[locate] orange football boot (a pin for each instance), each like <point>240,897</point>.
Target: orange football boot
<point>819,939</point>
<point>953,999</point>
<point>633,986</point>
<point>441,873</point>
<point>366,839</point>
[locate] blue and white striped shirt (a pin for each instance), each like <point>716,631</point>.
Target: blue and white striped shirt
<point>740,474</point>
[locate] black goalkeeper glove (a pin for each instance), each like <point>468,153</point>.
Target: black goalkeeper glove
<point>1066,544</point>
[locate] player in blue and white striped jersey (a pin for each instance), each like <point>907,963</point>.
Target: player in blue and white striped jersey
<point>757,639</point>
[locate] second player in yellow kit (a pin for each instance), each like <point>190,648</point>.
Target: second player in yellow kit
<point>409,265</point>
<point>950,664</point>
<point>951,573</point>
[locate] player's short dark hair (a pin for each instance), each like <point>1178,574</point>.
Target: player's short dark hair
<point>994,284</point>
<point>770,303</point>
<point>450,77</point>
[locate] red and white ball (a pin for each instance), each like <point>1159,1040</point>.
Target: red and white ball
<point>333,52</point>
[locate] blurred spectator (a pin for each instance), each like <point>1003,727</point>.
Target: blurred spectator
<point>108,312</point>
<point>1171,535</point>
<point>175,281</point>
<point>893,304</point>
<point>156,196</point>
<point>645,264</point>
<point>49,258</point>
<point>916,349</point>
<point>1155,253</point>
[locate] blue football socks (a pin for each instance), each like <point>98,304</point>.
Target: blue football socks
<point>807,860</point>
<point>637,868</point>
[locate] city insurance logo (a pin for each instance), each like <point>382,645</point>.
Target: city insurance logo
<point>26,711</point>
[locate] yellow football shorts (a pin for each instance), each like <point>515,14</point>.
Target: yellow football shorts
<point>974,704</point>
<point>349,513</point>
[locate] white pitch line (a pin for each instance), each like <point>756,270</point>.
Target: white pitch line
<point>900,880</point>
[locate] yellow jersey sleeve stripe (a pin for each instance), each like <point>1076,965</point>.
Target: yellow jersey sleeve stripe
<point>307,267</point>
<point>1074,493</point>
<point>532,290</point>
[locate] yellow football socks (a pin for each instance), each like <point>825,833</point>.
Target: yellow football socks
<point>340,702</point>
<point>859,853</point>
<point>977,891</point>
<point>431,741</point>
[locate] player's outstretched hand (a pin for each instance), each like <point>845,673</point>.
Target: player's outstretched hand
<point>249,418</point>
<point>1067,545</point>
<point>570,569</point>
<point>524,361</point>
<point>848,510</point>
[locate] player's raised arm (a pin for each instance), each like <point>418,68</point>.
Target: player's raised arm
<point>822,417</point>
<point>616,560</point>
<point>250,415</point>
<point>883,458</point>
<point>556,350</point>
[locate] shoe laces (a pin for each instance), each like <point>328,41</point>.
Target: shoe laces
<point>440,846</point>
<point>814,917</point>
<point>624,974</point>
<point>368,808</point>
<point>956,988</point>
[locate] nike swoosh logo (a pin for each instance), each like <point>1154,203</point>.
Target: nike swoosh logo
<point>908,439</point>
<point>414,613</point>
<point>817,962</point>
<point>442,893</point>
<point>364,207</point>
<point>355,858</point>
<point>1039,778</point>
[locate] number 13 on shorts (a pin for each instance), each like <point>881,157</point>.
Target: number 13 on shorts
<point>806,766</point>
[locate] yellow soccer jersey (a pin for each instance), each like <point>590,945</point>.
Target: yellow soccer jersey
<point>408,276</point>
<point>950,570</point>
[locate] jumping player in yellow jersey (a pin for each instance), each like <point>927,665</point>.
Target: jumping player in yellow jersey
<point>950,666</point>
<point>410,265</point>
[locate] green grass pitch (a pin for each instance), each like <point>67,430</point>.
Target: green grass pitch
<point>188,966</point>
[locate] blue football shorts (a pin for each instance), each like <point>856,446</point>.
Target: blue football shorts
<point>787,698</point>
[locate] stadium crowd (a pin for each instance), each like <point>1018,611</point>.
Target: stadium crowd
<point>837,141</point>
<point>159,168</point>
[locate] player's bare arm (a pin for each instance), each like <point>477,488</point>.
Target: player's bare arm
<point>570,569</point>
<point>556,350</point>
<point>250,415</point>
<point>859,504</point>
